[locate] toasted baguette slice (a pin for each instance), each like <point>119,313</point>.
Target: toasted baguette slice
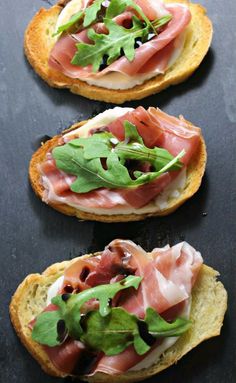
<point>195,172</point>
<point>39,42</point>
<point>209,303</point>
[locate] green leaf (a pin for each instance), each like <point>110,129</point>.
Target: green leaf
<point>133,148</point>
<point>91,12</point>
<point>115,8</point>
<point>140,346</point>
<point>158,327</point>
<point>119,329</point>
<point>107,329</point>
<point>90,173</point>
<point>45,328</point>
<point>69,305</point>
<point>82,158</point>
<point>73,20</point>
<point>162,21</point>
<point>98,145</point>
<point>113,333</point>
<point>103,293</point>
<point>112,44</point>
<point>131,133</point>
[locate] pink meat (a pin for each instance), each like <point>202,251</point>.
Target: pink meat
<point>147,127</point>
<point>146,56</point>
<point>178,268</point>
<point>142,195</point>
<point>168,277</point>
<point>65,356</point>
<point>157,129</point>
<point>153,9</point>
<point>178,134</point>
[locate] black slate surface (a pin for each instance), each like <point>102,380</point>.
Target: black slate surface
<point>34,236</point>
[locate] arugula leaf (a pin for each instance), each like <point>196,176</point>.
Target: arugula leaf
<point>118,40</point>
<point>91,12</point>
<point>113,333</point>
<point>90,173</point>
<point>158,327</point>
<point>162,21</point>
<point>45,330</point>
<point>82,158</point>
<point>115,8</point>
<point>89,15</point>
<point>126,40</point>
<point>110,330</point>
<point>73,20</point>
<point>98,145</point>
<point>133,148</point>
<point>103,293</point>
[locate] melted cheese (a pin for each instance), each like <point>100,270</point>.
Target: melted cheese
<point>54,289</point>
<point>98,121</point>
<point>67,12</point>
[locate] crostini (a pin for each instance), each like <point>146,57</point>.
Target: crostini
<point>116,51</point>
<point>120,315</point>
<point>122,165</point>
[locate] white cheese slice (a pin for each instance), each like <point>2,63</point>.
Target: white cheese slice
<point>54,289</point>
<point>67,12</point>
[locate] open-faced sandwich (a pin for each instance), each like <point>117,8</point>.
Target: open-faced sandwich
<point>117,50</point>
<point>120,315</point>
<point>122,165</point>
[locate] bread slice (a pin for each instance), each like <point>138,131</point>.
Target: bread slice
<point>195,172</point>
<point>38,43</point>
<point>209,303</point>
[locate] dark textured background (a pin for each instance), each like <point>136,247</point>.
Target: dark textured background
<point>34,235</point>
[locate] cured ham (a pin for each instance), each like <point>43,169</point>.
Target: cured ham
<point>153,9</point>
<point>179,134</point>
<point>154,55</point>
<point>76,275</point>
<point>168,276</point>
<point>157,129</point>
<point>155,291</point>
<point>147,127</point>
<point>143,194</point>
<point>65,356</point>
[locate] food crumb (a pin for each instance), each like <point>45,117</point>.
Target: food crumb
<point>204,214</point>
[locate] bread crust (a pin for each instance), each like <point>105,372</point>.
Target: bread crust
<point>209,303</point>
<point>195,172</point>
<point>38,43</point>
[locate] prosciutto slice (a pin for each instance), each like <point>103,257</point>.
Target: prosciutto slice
<point>153,55</point>
<point>65,356</point>
<point>157,129</point>
<point>168,276</point>
<point>179,134</point>
<point>153,9</point>
<point>147,126</point>
<point>180,265</point>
